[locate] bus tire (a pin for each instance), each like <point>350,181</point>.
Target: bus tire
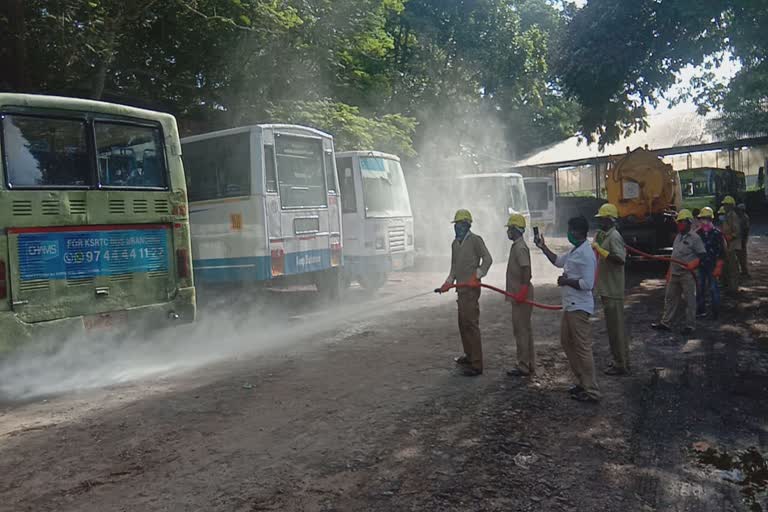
<point>330,284</point>
<point>372,281</point>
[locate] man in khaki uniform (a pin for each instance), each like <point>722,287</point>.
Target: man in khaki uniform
<point>470,262</point>
<point>681,287</point>
<point>519,284</point>
<point>609,245</point>
<point>731,229</point>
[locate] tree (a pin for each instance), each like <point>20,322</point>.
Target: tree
<point>620,56</point>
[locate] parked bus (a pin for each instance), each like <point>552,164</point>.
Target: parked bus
<point>94,219</point>
<point>542,202</point>
<point>707,186</point>
<point>264,207</point>
<point>491,198</point>
<point>377,218</point>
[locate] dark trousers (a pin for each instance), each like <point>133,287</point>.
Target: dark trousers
<point>469,325</point>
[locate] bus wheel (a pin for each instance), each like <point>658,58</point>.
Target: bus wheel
<point>372,281</point>
<point>330,284</point>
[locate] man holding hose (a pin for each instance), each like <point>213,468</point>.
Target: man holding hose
<point>681,285</point>
<point>470,262</point>
<point>612,252</point>
<point>576,285</point>
<point>519,285</point>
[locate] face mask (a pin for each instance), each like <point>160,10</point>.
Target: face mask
<point>706,225</point>
<point>461,229</point>
<point>511,232</point>
<point>682,227</point>
<point>721,218</point>
<point>573,239</point>
<point>607,225</point>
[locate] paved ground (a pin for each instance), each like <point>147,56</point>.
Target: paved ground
<point>358,408</point>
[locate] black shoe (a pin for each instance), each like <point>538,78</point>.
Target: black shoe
<point>471,372</point>
<point>615,371</point>
<point>462,360</point>
<point>517,372</point>
<point>660,327</point>
<point>701,315</point>
<point>686,331</point>
<point>584,397</point>
<point>575,389</point>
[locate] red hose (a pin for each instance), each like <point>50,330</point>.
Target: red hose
<point>663,258</point>
<point>510,295</point>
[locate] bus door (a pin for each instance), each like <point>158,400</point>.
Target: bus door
<point>302,243</point>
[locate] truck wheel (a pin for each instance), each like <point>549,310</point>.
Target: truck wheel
<point>372,281</point>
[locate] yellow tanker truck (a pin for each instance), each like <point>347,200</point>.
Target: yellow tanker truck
<point>647,193</point>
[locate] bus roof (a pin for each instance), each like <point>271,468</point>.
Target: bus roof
<point>371,154</point>
<point>247,128</point>
<point>490,175</point>
<point>80,105</point>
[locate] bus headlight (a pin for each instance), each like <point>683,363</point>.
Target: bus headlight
<point>381,243</point>
<point>410,239</point>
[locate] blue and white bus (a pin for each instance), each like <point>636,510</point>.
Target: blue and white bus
<point>376,212</point>
<point>264,206</point>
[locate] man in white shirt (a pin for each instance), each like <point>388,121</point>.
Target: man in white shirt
<point>576,283</point>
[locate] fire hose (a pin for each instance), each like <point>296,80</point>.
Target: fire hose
<point>506,294</point>
<point>663,258</point>
<point>551,307</point>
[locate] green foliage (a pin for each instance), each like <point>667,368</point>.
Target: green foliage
<point>391,133</point>
<point>445,77</point>
<point>620,56</point>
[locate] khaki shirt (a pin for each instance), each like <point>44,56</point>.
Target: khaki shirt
<point>610,276</point>
<point>469,257</point>
<point>519,258</point>
<point>732,230</point>
<point>686,248</point>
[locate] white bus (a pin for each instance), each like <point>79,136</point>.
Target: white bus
<point>264,206</point>
<point>492,197</point>
<point>377,218</point>
<point>542,202</point>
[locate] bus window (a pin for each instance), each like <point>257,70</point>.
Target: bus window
<point>537,195</point>
<point>269,168</point>
<point>44,152</point>
<point>384,188</point>
<point>347,182</point>
<point>330,172</point>
<point>218,168</point>
<point>130,155</point>
<point>519,197</point>
<point>300,172</point>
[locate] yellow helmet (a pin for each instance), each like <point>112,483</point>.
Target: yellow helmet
<point>516,220</point>
<point>721,210</point>
<point>729,200</point>
<point>462,216</point>
<point>684,215</point>
<point>706,213</point>
<point>608,210</point>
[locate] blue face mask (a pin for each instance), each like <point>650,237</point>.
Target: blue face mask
<point>461,229</point>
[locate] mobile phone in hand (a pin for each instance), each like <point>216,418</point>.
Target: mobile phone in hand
<point>536,237</point>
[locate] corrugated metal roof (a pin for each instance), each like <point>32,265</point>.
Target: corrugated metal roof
<point>667,129</point>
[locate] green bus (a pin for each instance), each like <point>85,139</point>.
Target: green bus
<point>94,219</point>
<point>707,186</point>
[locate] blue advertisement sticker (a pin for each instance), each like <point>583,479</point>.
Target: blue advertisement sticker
<point>79,254</point>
